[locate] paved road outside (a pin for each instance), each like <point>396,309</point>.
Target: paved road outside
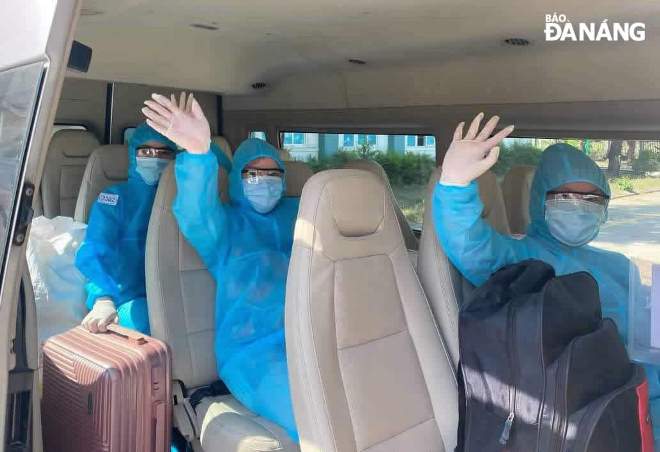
<point>633,227</point>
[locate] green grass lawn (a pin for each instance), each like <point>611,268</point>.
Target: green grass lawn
<point>411,197</point>
<point>622,186</point>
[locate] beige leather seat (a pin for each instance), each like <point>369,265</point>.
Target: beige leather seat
<point>369,370</point>
<point>445,287</point>
<point>494,208</point>
<point>224,145</point>
<point>224,181</point>
<point>516,187</point>
<point>373,167</point>
<point>181,300</point>
<point>297,174</point>
<point>108,165</point>
<point>66,160</point>
<point>285,155</point>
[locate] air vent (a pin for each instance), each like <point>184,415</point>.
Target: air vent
<point>259,85</point>
<point>356,61</point>
<point>205,27</point>
<point>517,42</point>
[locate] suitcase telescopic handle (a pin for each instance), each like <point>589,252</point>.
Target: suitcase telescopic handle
<point>130,335</point>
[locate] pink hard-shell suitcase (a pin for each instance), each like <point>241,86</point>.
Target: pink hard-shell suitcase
<point>107,392</point>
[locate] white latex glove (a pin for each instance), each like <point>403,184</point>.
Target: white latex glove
<point>469,156</point>
<point>185,123</point>
<point>102,314</point>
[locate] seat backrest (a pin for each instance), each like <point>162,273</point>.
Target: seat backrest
<point>442,283</point>
<point>368,368</point>
<point>445,287</point>
<point>108,165</point>
<point>285,155</point>
<point>516,187</point>
<point>66,160</point>
<point>297,174</point>
<point>375,168</point>
<point>180,292</point>
<point>494,208</point>
<point>224,181</point>
<point>224,145</point>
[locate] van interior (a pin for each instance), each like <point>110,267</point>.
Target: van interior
<point>371,88</point>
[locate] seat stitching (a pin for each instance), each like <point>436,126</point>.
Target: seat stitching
<point>369,341</point>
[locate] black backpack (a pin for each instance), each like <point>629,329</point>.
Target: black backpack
<point>542,371</point>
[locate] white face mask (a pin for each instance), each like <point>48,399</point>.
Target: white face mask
<point>574,222</point>
<point>150,168</point>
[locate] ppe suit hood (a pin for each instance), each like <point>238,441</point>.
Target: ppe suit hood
<point>250,149</point>
<point>143,134</point>
<point>560,164</point>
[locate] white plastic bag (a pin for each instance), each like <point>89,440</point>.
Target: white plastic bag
<point>59,288</point>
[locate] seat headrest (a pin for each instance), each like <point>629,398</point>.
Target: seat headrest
<point>297,173</point>
<point>224,145</point>
<point>285,155</point>
<point>73,143</point>
<point>368,165</point>
<point>113,160</point>
<point>345,214</point>
<point>362,201</point>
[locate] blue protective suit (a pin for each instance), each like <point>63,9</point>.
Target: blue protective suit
<point>477,250</point>
<point>112,255</point>
<point>248,255</point>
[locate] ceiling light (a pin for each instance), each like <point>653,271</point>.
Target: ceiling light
<point>204,26</point>
<point>356,61</point>
<point>517,42</point>
<point>259,85</point>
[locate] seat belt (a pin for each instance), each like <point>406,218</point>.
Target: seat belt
<point>217,388</point>
<point>183,409</point>
<point>183,413</point>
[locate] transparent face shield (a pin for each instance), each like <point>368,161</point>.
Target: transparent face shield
<point>256,175</point>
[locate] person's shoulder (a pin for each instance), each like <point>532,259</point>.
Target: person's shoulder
<point>611,256</point>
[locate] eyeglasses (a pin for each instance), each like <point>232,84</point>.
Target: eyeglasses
<point>253,174</point>
<point>572,196</point>
<point>149,151</point>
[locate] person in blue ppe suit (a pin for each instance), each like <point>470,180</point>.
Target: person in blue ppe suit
<point>112,254</point>
<point>568,204</point>
<point>246,245</point>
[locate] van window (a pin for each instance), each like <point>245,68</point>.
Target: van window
<point>408,160</point>
<point>633,170</point>
<point>19,89</point>
<point>258,134</point>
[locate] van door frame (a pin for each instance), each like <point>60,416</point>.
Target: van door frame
<point>31,31</point>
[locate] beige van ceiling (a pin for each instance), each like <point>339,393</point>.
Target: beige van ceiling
<point>418,52</point>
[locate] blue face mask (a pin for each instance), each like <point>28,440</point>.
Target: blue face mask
<point>263,192</point>
<point>574,222</point>
<point>150,168</point>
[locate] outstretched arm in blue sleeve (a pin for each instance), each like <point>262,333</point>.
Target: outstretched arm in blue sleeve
<point>471,244</point>
<point>197,207</point>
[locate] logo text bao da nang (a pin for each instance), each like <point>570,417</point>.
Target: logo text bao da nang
<point>559,28</point>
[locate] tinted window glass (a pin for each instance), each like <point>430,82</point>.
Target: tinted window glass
<point>408,160</point>
<point>633,170</point>
<point>18,94</point>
